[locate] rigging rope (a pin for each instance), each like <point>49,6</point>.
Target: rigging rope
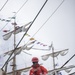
<point>4,5</point>
<point>49,17</point>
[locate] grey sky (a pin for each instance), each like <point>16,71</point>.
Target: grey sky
<point>60,28</point>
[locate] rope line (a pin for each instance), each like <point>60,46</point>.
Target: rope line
<point>4,5</point>
<point>49,17</point>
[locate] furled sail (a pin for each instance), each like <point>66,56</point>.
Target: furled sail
<point>16,31</point>
<point>45,57</point>
<point>62,52</point>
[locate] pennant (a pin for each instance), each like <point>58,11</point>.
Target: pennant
<point>7,20</point>
<point>41,44</point>
<point>13,17</point>
<point>14,23</point>
<point>44,45</point>
<point>31,42</point>
<point>6,30</point>
<point>38,42</point>
<point>32,39</point>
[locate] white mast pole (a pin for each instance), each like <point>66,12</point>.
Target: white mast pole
<point>14,59</point>
<point>53,57</point>
<point>55,73</point>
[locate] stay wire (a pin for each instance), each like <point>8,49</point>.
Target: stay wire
<point>21,7</point>
<point>24,34</point>
<point>14,15</point>
<point>49,17</point>
<point>4,5</point>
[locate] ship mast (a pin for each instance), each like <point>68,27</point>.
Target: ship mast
<point>14,59</point>
<point>53,56</point>
<point>53,59</point>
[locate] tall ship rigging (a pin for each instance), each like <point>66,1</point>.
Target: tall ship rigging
<point>30,45</point>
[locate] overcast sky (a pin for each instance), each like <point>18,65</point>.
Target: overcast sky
<point>59,29</point>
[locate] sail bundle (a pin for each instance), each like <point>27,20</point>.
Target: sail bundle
<point>69,68</point>
<point>27,46</point>
<point>62,53</point>
<point>66,69</point>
